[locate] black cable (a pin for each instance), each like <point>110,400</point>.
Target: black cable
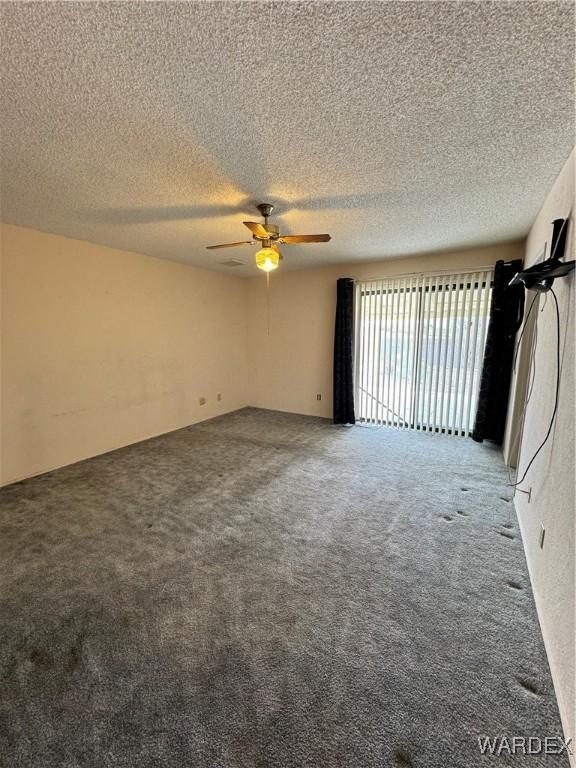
<point>543,443</point>
<point>532,365</point>
<point>532,358</point>
<point>529,390</point>
<point>522,331</point>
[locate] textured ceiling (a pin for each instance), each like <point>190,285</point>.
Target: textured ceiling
<point>398,127</point>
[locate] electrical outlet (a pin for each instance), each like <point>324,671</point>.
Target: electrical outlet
<point>318,397</point>
<point>202,401</point>
<point>542,534</point>
<point>219,396</point>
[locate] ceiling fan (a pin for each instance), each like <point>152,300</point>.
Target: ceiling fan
<point>268,257</point>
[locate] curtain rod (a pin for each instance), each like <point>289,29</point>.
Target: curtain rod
<point>440,272</point>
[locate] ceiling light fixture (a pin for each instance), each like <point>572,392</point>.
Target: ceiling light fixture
<point>267,258</point>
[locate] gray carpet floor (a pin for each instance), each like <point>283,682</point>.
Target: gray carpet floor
<point>267,589</point>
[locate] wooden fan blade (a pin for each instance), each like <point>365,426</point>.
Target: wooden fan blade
<point>257,229</point>
<point>304,239</point>
<point>230,245</point>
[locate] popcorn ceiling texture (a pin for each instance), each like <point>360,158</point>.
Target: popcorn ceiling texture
<point>397,127</point>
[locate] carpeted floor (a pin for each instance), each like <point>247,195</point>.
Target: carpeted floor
<point>267,589</point>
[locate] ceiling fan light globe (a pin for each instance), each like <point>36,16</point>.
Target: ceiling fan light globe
<point>267,259</point>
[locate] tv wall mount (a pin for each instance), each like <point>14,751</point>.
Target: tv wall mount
<point>540,276</point>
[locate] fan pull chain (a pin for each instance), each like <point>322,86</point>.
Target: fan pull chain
<point>268,303</point>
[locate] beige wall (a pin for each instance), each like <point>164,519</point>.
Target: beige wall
<point>292,363</point>
<point>102,348</point>
<point>551,478</point>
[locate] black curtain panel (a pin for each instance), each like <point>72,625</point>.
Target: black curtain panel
<point>344,353</point>
<point>506,311</point>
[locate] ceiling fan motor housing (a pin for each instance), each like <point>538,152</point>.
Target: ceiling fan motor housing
<point>273,230</point>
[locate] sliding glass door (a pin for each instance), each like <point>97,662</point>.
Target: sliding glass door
<point>419,348</point>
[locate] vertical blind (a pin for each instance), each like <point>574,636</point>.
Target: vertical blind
<point>419,344</point>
